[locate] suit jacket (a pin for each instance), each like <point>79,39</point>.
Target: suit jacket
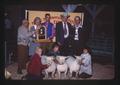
<point>35,66</point>
<point>81,35</point>
<point>60,32</point>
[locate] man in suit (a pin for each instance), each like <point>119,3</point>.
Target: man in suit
<point>63,33</point>
<point>78,36</point>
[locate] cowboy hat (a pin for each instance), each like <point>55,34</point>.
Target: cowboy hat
<point>65,15</point>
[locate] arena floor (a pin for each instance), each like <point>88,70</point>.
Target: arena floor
<point>102,70</point>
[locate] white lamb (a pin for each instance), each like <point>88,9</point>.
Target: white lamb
<point>51,68</point>
<point>73,65</point>
<point>61,66</point>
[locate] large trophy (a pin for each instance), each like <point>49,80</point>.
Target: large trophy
<point>41,35</point>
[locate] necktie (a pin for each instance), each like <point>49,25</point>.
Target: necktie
<point>65,30</point>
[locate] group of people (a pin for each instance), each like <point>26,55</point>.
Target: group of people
<point>70,39</point>
<point>26,45</point>
<point>35,66</point>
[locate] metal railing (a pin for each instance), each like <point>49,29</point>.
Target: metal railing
<point>10,52</point>
<point>101,45</point>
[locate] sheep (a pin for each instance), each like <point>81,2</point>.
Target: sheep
<point>61,66</point>
<point>52,66</point>
<point>7,74</point>
<point>73,65</point>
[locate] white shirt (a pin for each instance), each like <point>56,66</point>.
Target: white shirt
<point>67,34</point>
<point>87,67</point>
<point>76,32</point>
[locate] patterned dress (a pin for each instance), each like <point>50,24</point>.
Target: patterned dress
<point>32,45</point>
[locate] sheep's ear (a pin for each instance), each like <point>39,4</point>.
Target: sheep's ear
<point>60,57</point>
<point>66,57</point>
<point>57,58</point>
<point>77,57</point>
<point>52,58</point>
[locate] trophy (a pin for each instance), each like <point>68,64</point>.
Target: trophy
<point>41,34</point>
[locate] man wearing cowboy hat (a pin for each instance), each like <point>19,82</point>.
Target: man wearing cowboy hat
<point>63,32</point>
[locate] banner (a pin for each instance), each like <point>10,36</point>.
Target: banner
<point>55,16</point>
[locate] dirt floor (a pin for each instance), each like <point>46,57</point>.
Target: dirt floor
<point>103,68</point>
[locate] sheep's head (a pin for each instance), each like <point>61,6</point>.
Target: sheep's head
<point>61,59</point>
<point>78,59</point>
<point>49,60</point>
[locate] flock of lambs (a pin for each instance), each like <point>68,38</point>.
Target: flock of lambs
<point>61,65</point>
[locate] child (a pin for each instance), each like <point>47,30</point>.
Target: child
<point>55,50</point>
<point>35,66</point>
<point>86,67</point>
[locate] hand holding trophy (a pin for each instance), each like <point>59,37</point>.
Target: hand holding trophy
<point>41,34</point>
<point>37,32</point>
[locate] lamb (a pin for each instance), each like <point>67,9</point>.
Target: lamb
<point>61,66</point>
<point>73,65</point>
<point>51,68</point>
<point>7,74</point>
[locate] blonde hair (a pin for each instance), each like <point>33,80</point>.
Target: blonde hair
<point>35,19</point>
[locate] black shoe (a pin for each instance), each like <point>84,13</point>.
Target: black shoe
<point>84,75</point>
<point>19,72</point>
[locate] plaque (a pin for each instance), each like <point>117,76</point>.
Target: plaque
<point>41,35</point>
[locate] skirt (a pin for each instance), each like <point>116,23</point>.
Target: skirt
<point>32,48</point>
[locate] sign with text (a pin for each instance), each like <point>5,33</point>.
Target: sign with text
<point>55,16</point>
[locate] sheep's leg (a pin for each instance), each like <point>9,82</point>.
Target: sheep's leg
<point>70,74</point>
<point>76,74</point>
<point>65,73</point>
<point>53,74</point>
<point>58,74</point>
<point>46,74</point>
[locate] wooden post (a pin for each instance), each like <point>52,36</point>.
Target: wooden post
<point>94,12</point>
<point>93,29</point>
